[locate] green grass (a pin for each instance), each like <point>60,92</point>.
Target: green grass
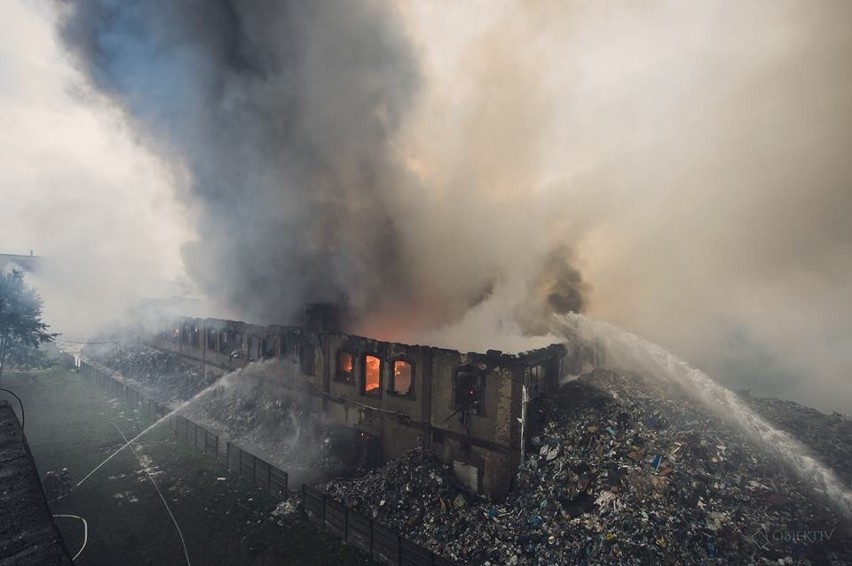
<point>69,423</point>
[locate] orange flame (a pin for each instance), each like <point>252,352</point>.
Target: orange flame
<point>372,377</point>
<point>346,362</point>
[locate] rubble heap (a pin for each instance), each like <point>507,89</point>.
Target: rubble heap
<point>274,424</point>
<point>624,470</point>
<point>404,492</point>
<point>173,379</point>
<point>827,436</point>
<point>245,408</point>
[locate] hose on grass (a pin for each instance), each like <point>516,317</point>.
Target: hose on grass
<point>156,487</point>
<point>85,532</point>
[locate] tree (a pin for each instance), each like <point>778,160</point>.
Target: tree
<point>21,326</point>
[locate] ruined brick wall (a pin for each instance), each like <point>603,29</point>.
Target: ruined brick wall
<point>465,407</point>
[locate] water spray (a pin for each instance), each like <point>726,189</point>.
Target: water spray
<point>164,418</point>
<point>210,388</point>
<point>637,353</point>
<point>157,488</point>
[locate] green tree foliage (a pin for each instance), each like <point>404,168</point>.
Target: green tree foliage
<point>21,327</point>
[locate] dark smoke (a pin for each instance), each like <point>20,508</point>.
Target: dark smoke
<point>562,283</point>
<point>284,115</point>
<point>693,156</point>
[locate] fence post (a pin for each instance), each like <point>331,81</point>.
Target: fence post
<point>345,524</point>
<point>304,509</point>
<point>269,478</point>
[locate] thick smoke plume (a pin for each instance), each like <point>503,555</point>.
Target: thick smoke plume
<point>694,157</point>
<point>284,115</point>
<point>288,117</point>
<point>678,169</point>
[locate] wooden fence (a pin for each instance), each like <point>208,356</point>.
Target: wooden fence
<point>381,543</point>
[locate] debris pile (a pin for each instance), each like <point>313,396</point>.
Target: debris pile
<point>276,424</point>
<point>174,379</point>
<point>827,436</point>
<point>287,511</point>
<point>245,408</point>
<point>623,470</point>
<point>404,492</point>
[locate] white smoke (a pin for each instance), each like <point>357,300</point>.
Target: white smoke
<point>676,169</point>
<point>623,350</point>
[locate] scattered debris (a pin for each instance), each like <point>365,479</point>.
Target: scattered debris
<point>622,471</point>
<point>173,378</point>
<point>276,424</point>
<point>58,485</point>
<point>288,510</point>
<point>827,436</point>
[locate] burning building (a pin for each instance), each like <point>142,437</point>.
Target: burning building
<point>467,408</point>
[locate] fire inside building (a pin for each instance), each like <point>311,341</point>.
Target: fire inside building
<point>469,409</point>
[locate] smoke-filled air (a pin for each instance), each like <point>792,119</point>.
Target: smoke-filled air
<point>456,173</point>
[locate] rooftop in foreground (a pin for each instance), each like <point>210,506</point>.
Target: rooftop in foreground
<point>28,535</point>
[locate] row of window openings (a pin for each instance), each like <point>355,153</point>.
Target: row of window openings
<point>229,342</point>
<point>468,385</point>
<point>401,378</point>
<point>266,347</point>
<point>401,374</point>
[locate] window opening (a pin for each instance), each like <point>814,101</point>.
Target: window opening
<point>372,374</point>
<point>306,358</point>
<point>267,347</point>
<point>401,384</point>
<point>469,392</point>
<point>345,367</point>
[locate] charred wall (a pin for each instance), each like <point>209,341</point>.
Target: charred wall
<point>464,407</point>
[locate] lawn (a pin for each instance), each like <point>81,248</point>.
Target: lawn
<point>224,519</point>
